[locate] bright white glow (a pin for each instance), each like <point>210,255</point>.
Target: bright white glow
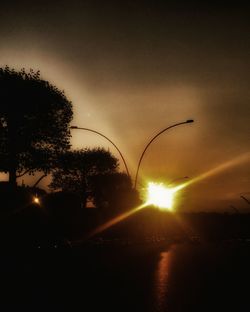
<point>160,195</point>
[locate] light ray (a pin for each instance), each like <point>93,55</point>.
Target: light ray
<point>222,167</point>
<point>231,163</point>
<point>112,222</point>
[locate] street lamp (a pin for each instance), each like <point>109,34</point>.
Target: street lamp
<point>104,136</point>
<point>36,200</point>
<point>144,151</point>
<point>178,179</point>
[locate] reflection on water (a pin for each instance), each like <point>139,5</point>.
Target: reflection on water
<point>161,281</point>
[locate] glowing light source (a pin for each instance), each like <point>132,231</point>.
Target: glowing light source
<point>36,200</point>
<point>160,195</point>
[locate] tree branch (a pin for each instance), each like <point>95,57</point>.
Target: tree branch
<point>22,174</point>
<point>40,179</point>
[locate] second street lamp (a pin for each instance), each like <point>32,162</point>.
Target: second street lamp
<point>147,146</point>
<point>104,136</point>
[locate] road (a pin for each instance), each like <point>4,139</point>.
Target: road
<point>139,277</point>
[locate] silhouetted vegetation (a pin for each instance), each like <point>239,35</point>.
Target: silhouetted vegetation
<point>92,174</point>
<point>34,119</point>
<point>113,192</point>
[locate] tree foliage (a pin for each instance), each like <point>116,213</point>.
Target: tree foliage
<point>34,119</point>
<point>92,173</point>
<point>76,168</point>
<point>113,192</point>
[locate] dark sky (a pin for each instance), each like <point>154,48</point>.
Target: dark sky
<point>132,68</point>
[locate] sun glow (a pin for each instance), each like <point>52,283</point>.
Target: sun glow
<point>160,195</point>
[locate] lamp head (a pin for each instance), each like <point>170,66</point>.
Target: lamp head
<point>189,121</point>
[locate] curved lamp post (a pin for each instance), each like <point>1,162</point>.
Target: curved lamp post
<point>147,146</point>
<point>104,136</point>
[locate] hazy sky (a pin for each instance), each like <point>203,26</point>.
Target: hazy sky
<point>132,68</point>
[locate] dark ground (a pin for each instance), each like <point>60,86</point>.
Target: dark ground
<point>150,262</point>
<point>196,277</point>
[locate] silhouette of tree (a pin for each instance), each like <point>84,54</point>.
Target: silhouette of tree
<point>113,192</point>
<point>76,169</point>
<point>34,119</point>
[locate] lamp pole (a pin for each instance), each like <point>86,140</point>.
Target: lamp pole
<point>147,146</point>
<point>178,179</point>
<point>104,136</point>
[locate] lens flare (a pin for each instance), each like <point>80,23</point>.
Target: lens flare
<point>160,196</point>
<point>109,223</point>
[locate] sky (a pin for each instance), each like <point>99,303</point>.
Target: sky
<point>133,68</point>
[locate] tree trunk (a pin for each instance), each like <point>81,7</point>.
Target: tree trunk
<point>12,178</point>
<point>83,200</point>
<point>12,141</point>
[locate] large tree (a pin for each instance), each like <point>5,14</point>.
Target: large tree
<point>76,169</point>
<point>34,120</point>
<point>113,192</point>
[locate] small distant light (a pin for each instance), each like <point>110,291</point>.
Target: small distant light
<point>36,200</point>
